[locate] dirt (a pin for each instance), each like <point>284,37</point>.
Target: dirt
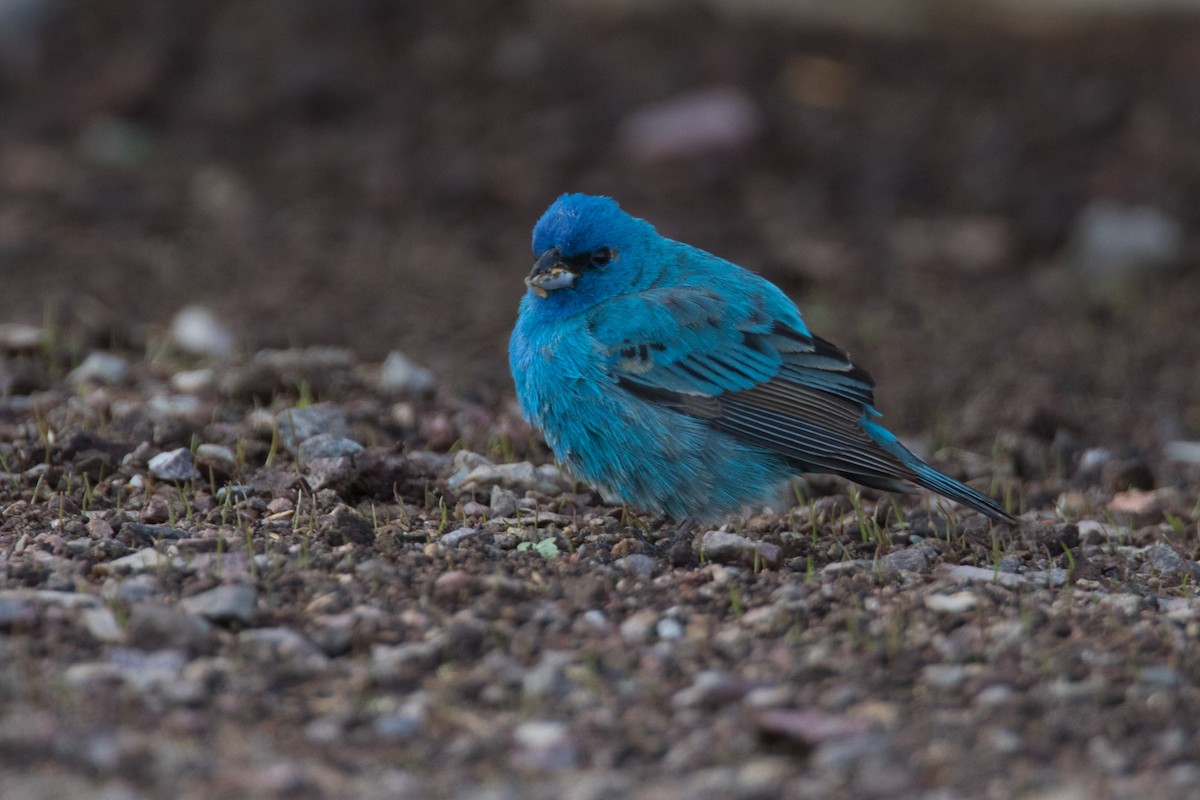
<point>442,613</point>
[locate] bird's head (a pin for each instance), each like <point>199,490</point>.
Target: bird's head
<point>587,249</point>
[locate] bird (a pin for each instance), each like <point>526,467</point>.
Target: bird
<point>680,384</point>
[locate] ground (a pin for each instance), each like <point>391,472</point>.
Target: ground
<point>198,596</point>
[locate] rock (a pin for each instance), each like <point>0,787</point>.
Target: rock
<point>194,381</point>
<point>637,627</point>
<point>218,458</point>
<point>906,559</point>
<point>969,574</point>
<point>402,665</point>
<point>283,651</point>
<point>957,603</point>
<point>1186,452</point>
<point>115,144</point>
<point>102,625</point>
<point>296,425</point>
<point>668,628</point>
<point>17,612</point>
<point>456,537</point>
<point>98,367</point>
<point>547,678</point>
<point>173,465</point>
<point>503,503</point>
<point>147,559</point>
<point>235,493</point>
<point>151,533</point>
<point>543,745</point>
<point>156,627</point>
<point>345,525</point>
<point>406,722</point>
<point>1163,559</point>
<point>637,564</point>
<point>729,548</point>
<point>945,677</point>
<point>326,445</point>
<point>196,330</point>
<point>18,337</point>
<point>400,376</point>
<point>692,124</point>
<point>1113,243</point>
<point>522,476</point>
<point>226,603</point>
<point>711,689</point>
<point>809,728</point>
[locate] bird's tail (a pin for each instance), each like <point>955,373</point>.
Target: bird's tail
<point>929,478</point>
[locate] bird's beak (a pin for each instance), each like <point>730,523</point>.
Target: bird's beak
<point>549,273</point>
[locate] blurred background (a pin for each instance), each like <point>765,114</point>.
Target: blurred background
<point>994,206</point>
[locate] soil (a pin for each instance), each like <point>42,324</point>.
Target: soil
<point>417,603</point>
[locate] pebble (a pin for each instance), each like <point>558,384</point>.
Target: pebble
<point>146,559</point>
<point>17,337</point>
<point>234,493</point>
<point>195,329</point>
<point>398,375</point>
<point>226,603</point>
<point>296,425</point>
<point>194,381</point>
<point>403,664</point>
<point>406,722</point>
<point>1164,560</point>
<point>723,547</point>
<point>957,603</point>
<point>548,678</point>
<point>544,745</point>
<point>637,564</point>
<point>969,574</point>
<point>522,475</point>
<point>101,624</point>
<point>1186,452</point>
<point>173,465</point>
<point>217,457</point>
<point>456,537</point>
<point>326,445</point>
<point>692,124</point>
<point>100,367</point>
<point>1114,242</point>
<point>283,651</point>
<point>503,503</point>
<point>157,627</point>
<point>638,626</point>
<point>152,533</point>
<point>668,628</point>
<point>945,677</point>
<point>712,688</point>
<point>906,559</point>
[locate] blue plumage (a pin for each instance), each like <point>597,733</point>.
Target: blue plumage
<point>679,383</point>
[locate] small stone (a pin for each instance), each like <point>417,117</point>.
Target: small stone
<point>906,559</point>
<point>226,603</point>
<point>547,678</point>
<point>711,689</point>
<point>404,664</point>
<point>283,651</point>
<point>407,722</point>
<point>18,337</point>
<point>234,493</point>
<point>637,627</point>
<point>296,425</point>
<point>329,473</point>
<point>727,548</point>
<point>456,537</point>
<point>1185,452</point>
<point>637,564</point>
<point>969,574</point>
<point>957,603</point>
<point>720,119</point>
<point>196,330</point>
<point>16,612</point>
<point>520,476</point>
<point>1164,560</point>
<point>98,367</point>
<point>194,381</point>
<point>400,376</point>
<point>809,728</point>
<point>503,503</point>
<point>151,533</point>
<point>668,628</point>
<point>544,746</point>
<point>173,465</point>
<point>216,457</point>
<point>147,559</point>
<point>326,445</point>
<point>101,623</point>
<point>1113,243</point>
<point>156,627</point>
<point>945,677</point>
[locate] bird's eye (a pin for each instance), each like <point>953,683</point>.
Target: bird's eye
<point>601,257</point>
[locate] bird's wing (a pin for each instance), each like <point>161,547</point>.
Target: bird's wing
<point>765,381</point>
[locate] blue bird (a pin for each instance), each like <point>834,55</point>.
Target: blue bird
<point>681,384</point>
